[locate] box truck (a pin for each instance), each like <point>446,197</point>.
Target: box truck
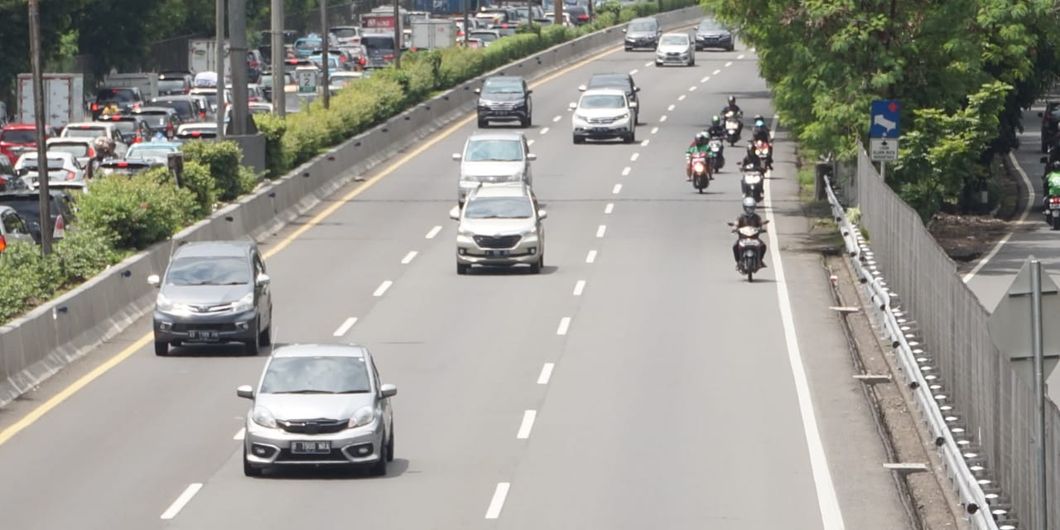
<point>433,34</point>
<point>202,56</point>
<point>64,99</point>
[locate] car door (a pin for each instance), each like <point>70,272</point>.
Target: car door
<point>263,293</point>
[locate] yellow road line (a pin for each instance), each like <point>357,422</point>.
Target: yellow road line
<point>64,394</point>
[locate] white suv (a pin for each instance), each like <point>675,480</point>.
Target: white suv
<point>493,158</point>
<point>500,225</point>
<point>603,113</point>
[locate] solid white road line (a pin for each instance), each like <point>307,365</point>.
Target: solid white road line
<point>526,425</point>
<point>671,107</point>
<point>705,79</point>
<point>497,502</point>
<point>579,287</point>
<point>544,131</point>
<point>633,71</point>
<point>626,170</point>
<point>617,189</point>
<point>557,118</point>
<point>564,326</point>
<point>828,503</point>
<point>1023,217</point>
<point>181,501</point>
<point>634,157</point>
<point>662,118</point>
<point>609,208</point>
<point>692,88</point>
<point>654,130</point>
<point>433,232</point>
<point>738,57</point>
<point>645,143</point>
<point>716,72</point>
<point>600,231</point>
<point>682,97</point>
<point>546,373</point>
<point>379,291</point>
<point>409,257</point>
<point>241,434</point>
<point>728,64</point>
<point>345,327</point>
<point>590,257</point>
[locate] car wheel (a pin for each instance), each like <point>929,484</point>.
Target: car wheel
<point>161,348</point>
<point>265,338</point>
<point>578,139</point>
<point>535,268</point>
<point>462,268</point>
<point>249,469</point>
<point>482,124</point>
<point>390,445</point>
<point>628,48</point>
<point>657,63</point>
<point>378,469</point>
<point>253,346</point>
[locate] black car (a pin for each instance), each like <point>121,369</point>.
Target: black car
<point>213,292</point>
<point>174,83</point>
<point>189,108</point>
<point>162,120</point>
<point>711,34</point>
<point>27,204</point>
<point>642,33</point>
<point>1050,124</point>
<point>617,80</point>
<point>504,98</point>
<point>125,98</point>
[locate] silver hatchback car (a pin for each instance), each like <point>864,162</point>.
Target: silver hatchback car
<point>500,225</point>
<point>319,404</point>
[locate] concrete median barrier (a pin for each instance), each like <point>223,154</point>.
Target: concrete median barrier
<point>39,344</point>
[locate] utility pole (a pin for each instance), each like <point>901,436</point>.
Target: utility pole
<point>1038,349</point>
<point>397,34</point>
<point>237,56</point>
<point>557,11</point>
<point>467,29</point>
<point>219,55</point>
<point>38,115</point>
<point>326,66</point>
<point>279,69</point>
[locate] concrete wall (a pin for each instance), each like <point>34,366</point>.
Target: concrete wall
<point>42,342</point>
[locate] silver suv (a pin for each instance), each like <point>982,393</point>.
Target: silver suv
<point>500,225</point>
<point>493,158</point>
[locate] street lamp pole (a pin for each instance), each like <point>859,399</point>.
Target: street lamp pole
<point>38,111</point>
<point>326,59</point>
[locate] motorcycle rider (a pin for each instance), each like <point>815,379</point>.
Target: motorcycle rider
<point>1052,184</point>
<point>760,132</point>
<point>748,218</point>
<point>736,111</point>
<point>716,129</point>
<point>753,162</point>
<point>700,144</point>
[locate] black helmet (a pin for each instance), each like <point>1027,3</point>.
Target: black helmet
<point>702,139</point>
<point>759,117</point>
<point>732,100</point>
<point>715,120</point>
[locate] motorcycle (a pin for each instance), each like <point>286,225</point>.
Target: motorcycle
<point>732,127</point>
<point>749,247</point>
<point>1052,211</point>
<point>700,172</point>
<point>716,156</point>
<point>764,151</point>
<point>751,184</point>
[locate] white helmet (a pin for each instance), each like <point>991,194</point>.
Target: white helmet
<point>749,205</point>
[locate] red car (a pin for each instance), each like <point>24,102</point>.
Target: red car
<point>17,138</point>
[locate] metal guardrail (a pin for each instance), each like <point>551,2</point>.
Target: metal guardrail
<point>970,493</point>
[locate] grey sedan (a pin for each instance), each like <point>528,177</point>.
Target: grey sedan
<point>319,404</point>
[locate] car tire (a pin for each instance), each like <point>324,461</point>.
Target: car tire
<point>161,348</point>
<point>535,268</point>
<point>578,139</point>
<point>462,268</point>
<point>378,469</point>
<point>658,64</point>
<point>390,445</point>
<point>482,124</point>
<point>265,338</point>
<point>252,347</point>
<point>629,49</point>
<point>249,469</point>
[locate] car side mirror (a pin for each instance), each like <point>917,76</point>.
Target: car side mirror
<point>582,88</point>
<point>245,392</point>
<point>531,156</point>
<point>388,391</point>
<point>542,214</point>
<point>262,280</point>
<point>572,106</point>
<point>636,89</point>
<point>152,280</point>
<point>623,30</point>
<point>454,213</point>
<point>478,90</point>
<point>528,92</point>
<point>1044,160</point>
<point>457,156</point>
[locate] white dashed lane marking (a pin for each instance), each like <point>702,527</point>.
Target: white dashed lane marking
<point>546,373</point>
<point>662,118</point>
<point>526,425</point>
<point>738,57</point>
<point>705,79</point>
<point>645,143</point>
<point>634,157</point>
<point>626,170</point>
<point>633,71</point>
<point>609,208</point>
<point>564,326</point>
<point>692,88</point>
<point>617,189</point>
<point>579,287</point>
<point>557,118</point>
<point>716,72</point>
<point>381,290</point>
<point>590,257</point>
<point>671,107</point>
<point>601,230</point>
<point>345,327</point>
<point>181,501</point>
<point>433,232</point>
<point>409,257</point>
<point>241,434</point>
<point>682,97</point>
<point>728,64</point>
<point>497,502</point>
<point>544,131</point>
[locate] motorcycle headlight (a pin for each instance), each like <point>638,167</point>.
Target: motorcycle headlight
<point>699,167</point>
<point>363,416</point>
<point>262,416</point>
<point>244,304</point>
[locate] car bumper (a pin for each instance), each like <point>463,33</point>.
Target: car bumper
<point>518,113</point>
<point>205,329</point>
<point>468,252</point>
<point>715,42</point>
<point>669,59</point>
<point>272,447</point>
<point>641,43</point>
<point>602,131</point>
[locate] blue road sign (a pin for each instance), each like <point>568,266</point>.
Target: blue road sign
<point>884,122</point>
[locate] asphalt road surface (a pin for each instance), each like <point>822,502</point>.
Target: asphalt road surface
<point>638,382</point>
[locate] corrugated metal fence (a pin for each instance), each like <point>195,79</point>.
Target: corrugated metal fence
<point>995,406</point>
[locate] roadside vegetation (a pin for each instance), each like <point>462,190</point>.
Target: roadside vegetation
<point>962,70</point>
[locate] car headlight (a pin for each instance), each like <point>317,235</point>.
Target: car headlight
<point>462,232</point>
<point>363,416</point>
<point>623,117</point>
<point>262,416</point>
<point>244,304</point>
<point>168,306</point>
<point>579,117</point>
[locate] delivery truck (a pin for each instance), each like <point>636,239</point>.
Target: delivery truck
<point>433,34</point>
<point>64,99</point>
<point>202,56</point>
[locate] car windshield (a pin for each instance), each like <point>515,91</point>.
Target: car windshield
<point>171,85</point>
<point>494,151</point>
<point>211,270</point>
<point>120,95</point>
<point>84,132</point>
<point>641,26</point>
<point>502,86</point>
<point>499,208</point>
<point>143,153</point>
<point>184,108</point>
<point>710,25</point>
<point>672,40</point>
<point>125,127</point>
<point>602,102</point>
<point>19,136</point>
<point>378,43</point>
<point>316,375</point>
<point>620,81</point>
<point>79,150</point>
<point>155,120</point>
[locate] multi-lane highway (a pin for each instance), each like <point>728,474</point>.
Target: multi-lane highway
<point>639,382</point>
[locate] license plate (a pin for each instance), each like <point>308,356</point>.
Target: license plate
<point>205,335</point>
<point>601,129</point>
<point>1054,206</point>
<point>311,448</point>
<point>497,252</point>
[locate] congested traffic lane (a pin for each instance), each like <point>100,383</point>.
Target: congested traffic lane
<point>469,355</point>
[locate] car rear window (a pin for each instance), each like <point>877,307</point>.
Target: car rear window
<point>78,150</point>
<point>121,95</point>
<point>155,120</point>
<point>53,163</point>
<point>345,33</point>
<point>125,127</point>
<point>85,131</point>
<point>19,136</point>
<point>184,108</point>
<point>378,43</point>
<point>171,85</point>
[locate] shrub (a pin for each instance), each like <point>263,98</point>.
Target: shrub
<point>26,278</point>
<point>84,252</point>
<point>223,162</point>
<point>201,184</point>
<point>137,211</point>
<point>273,128</point>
